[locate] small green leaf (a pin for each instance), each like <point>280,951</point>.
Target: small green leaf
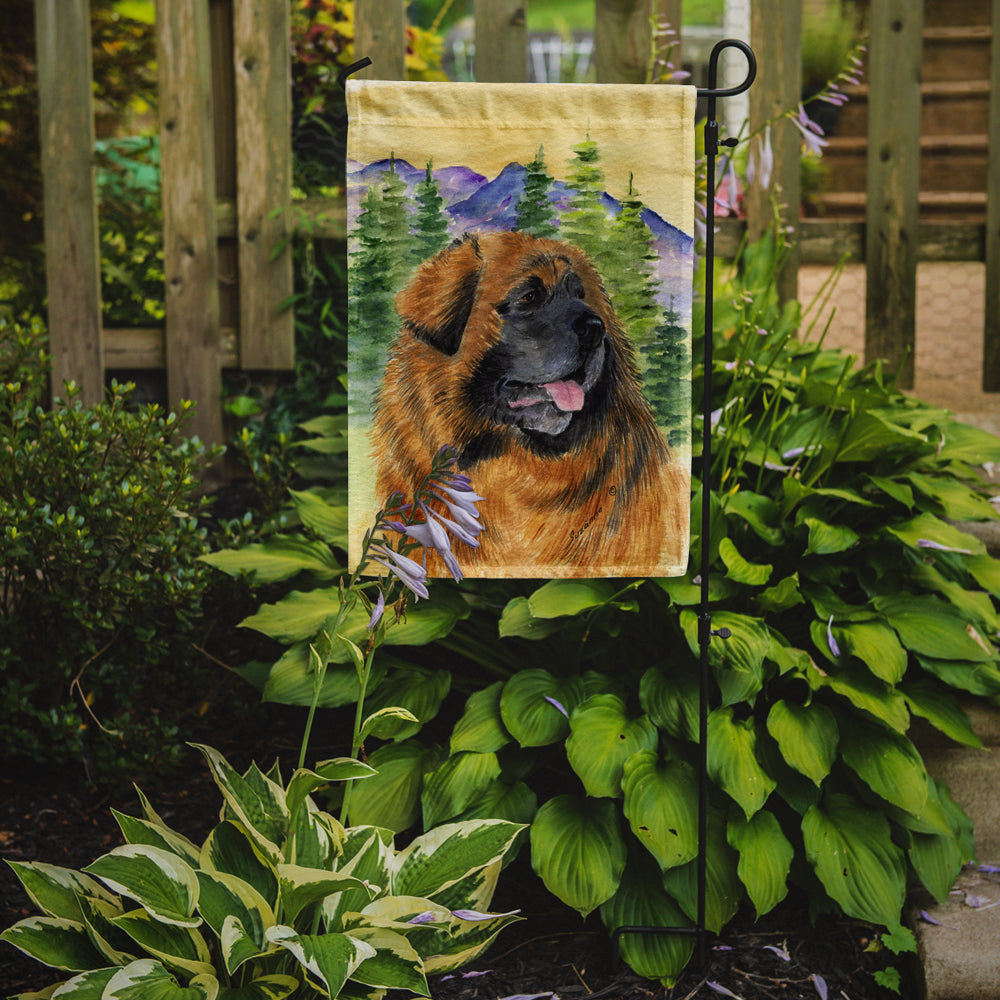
<point>739,569</point>
<point>732,760</point>
<point>807,736</point>
<point>888,763</point>
<point>481,727</point>
<point>783,595</point>
<point>535,706</point>
<point>456,785</point>
<point>383,724</point>
<point>828,539</point>
<point>578,851</point>
<point>560,598</point>
<point>765,858</point>
<point>391,798</point>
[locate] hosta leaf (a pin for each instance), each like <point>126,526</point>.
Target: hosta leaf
<point>441,857</point>
<point>304,782</point>
<point>230,849</point>
<point>739,569</point>
<point>828,539</point>
<point>147,979</point>
<point>301,887</point>
<point>986,571</point>
<point>783,595</point>
<point>387,723</point>
<point>758,511</point>
<point>578,851</point>
<point>517,620</point>
<point>481,728</point>
<point>141,831</point>
<point>466,941</point>
<point>807,736</point>
<point>641,901</point>
<point>864,691</point>
<point>274,987</point>
<point>56,891</point>
<point>87,986</point>
<point>931,628</point>
<point>928,528</point>
<point>888,763</point>
<point>732,760</point>
<point>957,501</point>
<point>330,959</point>
<point>965,443</point>
<point>327,520</point>
<point>870,435</point>
<point>661,799</point>
<point>515,803</point>
<point>671,700</point>
<point>937,858</point>
<point>395,964</point>
<point>456,784</point>
<point>291,680</point>
<point>976,678</point>
<point>159,881</point>
<point>723,889</point>
<point>279,558</point>
<point>225,897</point>
<point>765,858</point>
<point>941,709</point>
<point>416,689</point>
<point>876,646</point>
<point>54,941</point>
<point>366,855</point>
<point>738,661</point>
<point>180,948</point>
<point>602,738</point>
<point>559,598</point>
<point>391,798</point>
<point>850,848</point>
<point>530,706</point>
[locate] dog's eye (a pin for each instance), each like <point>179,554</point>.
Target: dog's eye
<point>529,297</point>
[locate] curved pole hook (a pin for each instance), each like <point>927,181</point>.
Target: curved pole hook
<point>713,69</point>
<point>353,68</point>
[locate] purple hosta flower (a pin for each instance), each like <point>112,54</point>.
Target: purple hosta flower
<point>427,917</point>
<point>558,705</point>
<point>834,648</point>
<point>377,611</point>
<point>760,165</point>
<point>927,543</point>
<point>461,502</point>
<point>780,952</point>
<point>411,574</point>
<point>475,915</point>
<point>811,132</point>
<point>989,869</point>
<point>820,984</point>
<point>719,988</point>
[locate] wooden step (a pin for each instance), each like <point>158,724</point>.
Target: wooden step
<point>956,53</point>
<point>957,206</point>
<point>947,162</point>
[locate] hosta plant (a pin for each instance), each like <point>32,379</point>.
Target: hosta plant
<point>279,900</point>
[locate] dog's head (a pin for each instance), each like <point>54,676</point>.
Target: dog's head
<point>528,324</point>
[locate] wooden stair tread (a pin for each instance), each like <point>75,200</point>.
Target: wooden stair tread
<point>847,145</point>
<point>958,33</point>
<point>936,199</point>
<point>937,89</point>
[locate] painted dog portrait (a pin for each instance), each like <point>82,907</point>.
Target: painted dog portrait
<point>510,349</point>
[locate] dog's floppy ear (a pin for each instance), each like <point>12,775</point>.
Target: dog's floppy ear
<point>436,304</point>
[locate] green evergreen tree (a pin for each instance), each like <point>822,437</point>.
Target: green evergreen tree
<point>394,216</point>
<point>535,213</point>
<point>430,227</point>
<point>585,221</point>
<point>666,360</point>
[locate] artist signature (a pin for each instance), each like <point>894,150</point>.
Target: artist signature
<point>578,533</point>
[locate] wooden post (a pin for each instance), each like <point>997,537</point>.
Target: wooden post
<point>893,183</point>
<point>190,254</point>
<point>72,256</point>
<point>623,37</point>
<point>380,34</point>
<point>776,34</point>
<point>261,41</point>
<point>501,41</point>
<point>991,333</point>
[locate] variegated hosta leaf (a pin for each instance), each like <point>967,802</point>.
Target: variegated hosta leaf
<point>274,987</point>
<point>850,847</point>
<point>225,897</point>
<point>86,986</point>
<point>56,891</point>
<point>304,782</point>
<point>642,902</point>
<point>578,851</point>
<point>476,890</point>
<point>765,858</point>
<point>395,964</point>
<point>98,915</point>
<point>732,760</point>
<point>158,880</point>
<point>366,855</point>
<point>807,736</point>
<point>441,857</point>
<point>300,887</point>
<point>329,959</point>
<point>481,727</point>
<point>315,838</point>
<point>661,799</point>
<point>230,849</point>
<point>141,831</point>
<point>466,941</point>
<point>177,947</point>
<point>149,980</point>
<point>602,737</point>
<point>54,941</point>
<point>456,784</point>
<point>256,801</point>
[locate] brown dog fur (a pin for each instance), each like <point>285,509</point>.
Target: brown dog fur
<point>600,496</point>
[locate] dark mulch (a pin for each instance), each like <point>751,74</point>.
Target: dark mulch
<point>551,952</point>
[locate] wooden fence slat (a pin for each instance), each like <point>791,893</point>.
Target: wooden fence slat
<point>380,34</point>
<point>991,332</point>
<point>501,41</point>
<point>190,253</point>
<point>261,57</point>
<point>622,37</point>
<point>893,184</point>
<point>776,36</point>
<point>72,256</point>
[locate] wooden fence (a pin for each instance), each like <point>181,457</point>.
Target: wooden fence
<point>226,160</point>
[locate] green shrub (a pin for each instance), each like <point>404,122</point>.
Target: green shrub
<point>279,900</point>
<point>99,540</point>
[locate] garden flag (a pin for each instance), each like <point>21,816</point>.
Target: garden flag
<point>520,269</point>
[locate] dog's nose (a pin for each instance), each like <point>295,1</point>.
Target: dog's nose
<point>589,329</point>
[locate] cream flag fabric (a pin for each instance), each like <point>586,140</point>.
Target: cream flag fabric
<point>520,271</point>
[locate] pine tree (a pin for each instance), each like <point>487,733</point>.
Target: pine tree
<point>535,213</point>
<point>394,216</point>
<point>430,227</point>
<point>667,382</point>
<point>585,221</point>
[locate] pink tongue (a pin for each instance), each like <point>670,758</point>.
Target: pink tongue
<point>566,395</point>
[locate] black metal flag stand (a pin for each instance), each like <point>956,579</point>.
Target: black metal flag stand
<point>705,631</point>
